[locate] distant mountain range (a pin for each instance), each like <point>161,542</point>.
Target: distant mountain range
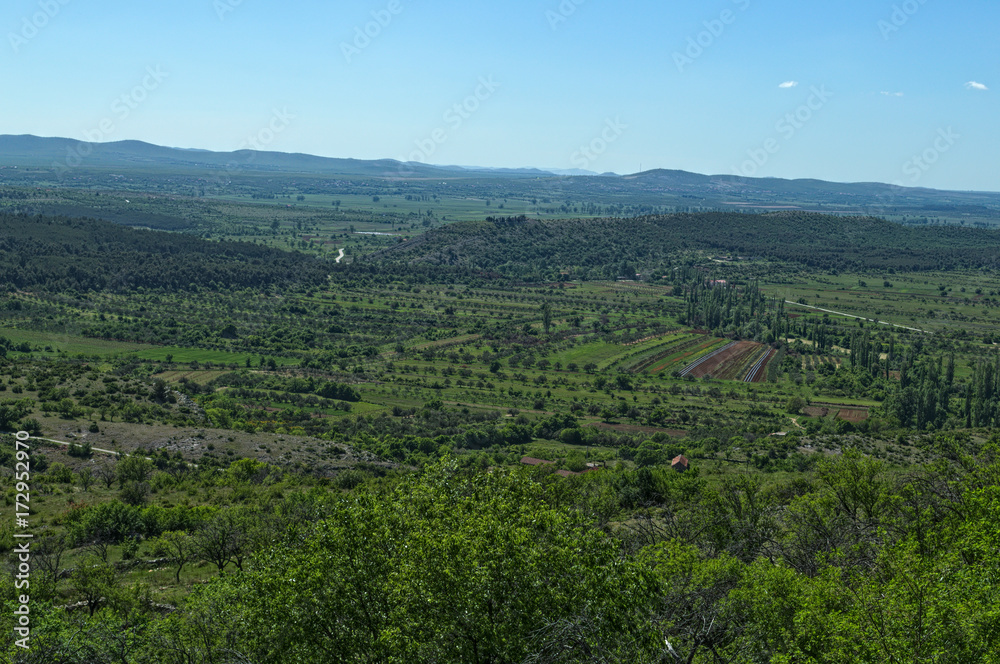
<point>56,153</point>
<point>38,152</point>
<point>680,189</point>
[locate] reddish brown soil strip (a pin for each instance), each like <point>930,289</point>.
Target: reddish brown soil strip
<point>761,375</point>
<point>736,367</point>
<point>733,354</point>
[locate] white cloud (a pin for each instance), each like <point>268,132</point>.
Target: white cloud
<point>788,84</point>
<point>972,85</point>
<point>892,94</point>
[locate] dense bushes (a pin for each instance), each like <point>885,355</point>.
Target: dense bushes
<point>115,521</point>
<point>857,562</point>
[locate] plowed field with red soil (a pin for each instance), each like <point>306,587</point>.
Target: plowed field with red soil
<point>760,374</point>
<point>677,354</point>
<point>727,364</point>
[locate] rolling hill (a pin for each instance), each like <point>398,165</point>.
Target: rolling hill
<point>617,247</point>
<point>31,160</point>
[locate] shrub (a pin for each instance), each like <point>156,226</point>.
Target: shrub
<point>60,473</point>
<point>795,405</point>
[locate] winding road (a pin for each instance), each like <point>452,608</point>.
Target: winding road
<point>871,320</point>
<point>67,444</point>
<point>98,449</point>
<point>340,256</point>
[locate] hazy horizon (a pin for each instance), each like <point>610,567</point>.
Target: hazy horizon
<point>894,92</point>
<point>553,170</point>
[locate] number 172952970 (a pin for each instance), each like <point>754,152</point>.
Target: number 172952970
<point>22,475</point>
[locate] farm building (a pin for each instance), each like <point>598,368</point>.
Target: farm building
<point>680,463</point>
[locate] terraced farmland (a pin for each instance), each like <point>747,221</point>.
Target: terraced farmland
<point>704,365</point>
<point>737,360</point>
<point>674,354</point>
<point>647,352</point>
<point>758,370</point>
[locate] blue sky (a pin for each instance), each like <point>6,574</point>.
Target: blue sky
<point>888,91</point>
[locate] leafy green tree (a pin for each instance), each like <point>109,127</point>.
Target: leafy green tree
<point>795,405</point>
<point>160,390</point>
<point>60,473</point>
<point>692,611</point>
<point>446,568</point>
<point>106,473</point>
<point>111,521</point>
<point>221,539</point>
<point>92,582</point>
<point>181,548</point>
<point>10,414</point>
<point>133,469</point>
<point>134,493</point>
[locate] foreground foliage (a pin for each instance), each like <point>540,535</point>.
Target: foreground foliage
<point>863,565</point>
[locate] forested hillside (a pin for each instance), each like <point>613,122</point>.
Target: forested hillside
<point>61,253</point>
<point>619,247</point>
